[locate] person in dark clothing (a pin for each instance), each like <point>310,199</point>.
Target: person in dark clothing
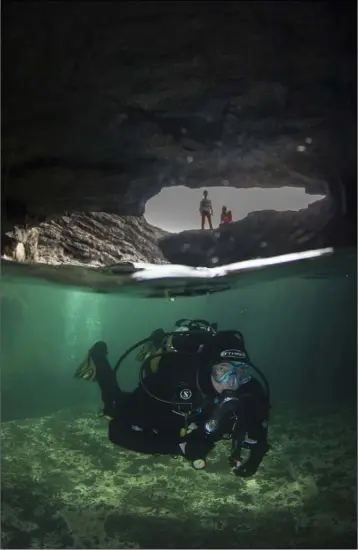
<point>206,210</point>
<point>202,393</point>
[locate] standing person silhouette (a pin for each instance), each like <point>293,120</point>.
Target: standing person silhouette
<point>206,210</point>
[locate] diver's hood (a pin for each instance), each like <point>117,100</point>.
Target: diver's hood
<point>226,346</point>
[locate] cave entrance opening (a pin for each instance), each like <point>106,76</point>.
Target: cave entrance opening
<point>176,209</point>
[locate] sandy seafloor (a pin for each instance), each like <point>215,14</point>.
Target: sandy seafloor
<point>64,485</point>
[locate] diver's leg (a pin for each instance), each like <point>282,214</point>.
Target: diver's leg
<point>203,220</point>
<point>140,440</point>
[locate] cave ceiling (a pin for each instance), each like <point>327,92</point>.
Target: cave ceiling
<point>104,103</point>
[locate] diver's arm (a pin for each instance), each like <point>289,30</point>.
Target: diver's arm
<point>258,448</point>
<point>255,415</point>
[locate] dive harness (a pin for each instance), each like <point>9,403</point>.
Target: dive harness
<point>228,401</point>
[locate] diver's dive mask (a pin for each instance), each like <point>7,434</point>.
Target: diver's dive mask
<point>232,373</point>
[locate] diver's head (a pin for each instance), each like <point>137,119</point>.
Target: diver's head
<point>225,363</point>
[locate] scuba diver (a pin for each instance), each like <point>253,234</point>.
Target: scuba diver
<point>196,387</point>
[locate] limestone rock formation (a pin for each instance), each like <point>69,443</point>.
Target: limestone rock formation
<point>106,103</point>
<point>93,239</point>
<point>259,235</point>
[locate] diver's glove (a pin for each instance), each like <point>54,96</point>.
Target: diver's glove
<point>249,467</point>
<point>244,469</point>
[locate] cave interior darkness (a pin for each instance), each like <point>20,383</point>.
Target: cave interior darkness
<point>105,104</point>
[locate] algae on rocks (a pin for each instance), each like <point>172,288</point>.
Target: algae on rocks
<point>64,485</point>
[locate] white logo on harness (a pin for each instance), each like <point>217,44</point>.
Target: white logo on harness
<point>233,354</point>
<point>185,394</point>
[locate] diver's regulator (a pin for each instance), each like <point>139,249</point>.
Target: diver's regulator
<point>228,403</point>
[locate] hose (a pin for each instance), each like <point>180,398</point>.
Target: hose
<point>166,334</point>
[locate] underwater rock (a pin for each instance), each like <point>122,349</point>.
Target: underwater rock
<point>92,239</point>
<point>259,235</point>
<point>102,111</point>
<point>12,249</point>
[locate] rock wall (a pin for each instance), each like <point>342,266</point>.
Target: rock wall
<point>96,239</point>
<point>106,103</point>
<point>259,235</point>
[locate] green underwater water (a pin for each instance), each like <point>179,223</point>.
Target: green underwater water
<point>64,485</point>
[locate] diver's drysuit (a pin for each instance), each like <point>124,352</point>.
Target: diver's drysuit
<point>176,410</point>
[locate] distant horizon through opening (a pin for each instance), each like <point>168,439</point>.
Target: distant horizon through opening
<point>176,209</point>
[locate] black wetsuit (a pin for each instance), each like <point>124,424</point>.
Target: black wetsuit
<point>145,424</point>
